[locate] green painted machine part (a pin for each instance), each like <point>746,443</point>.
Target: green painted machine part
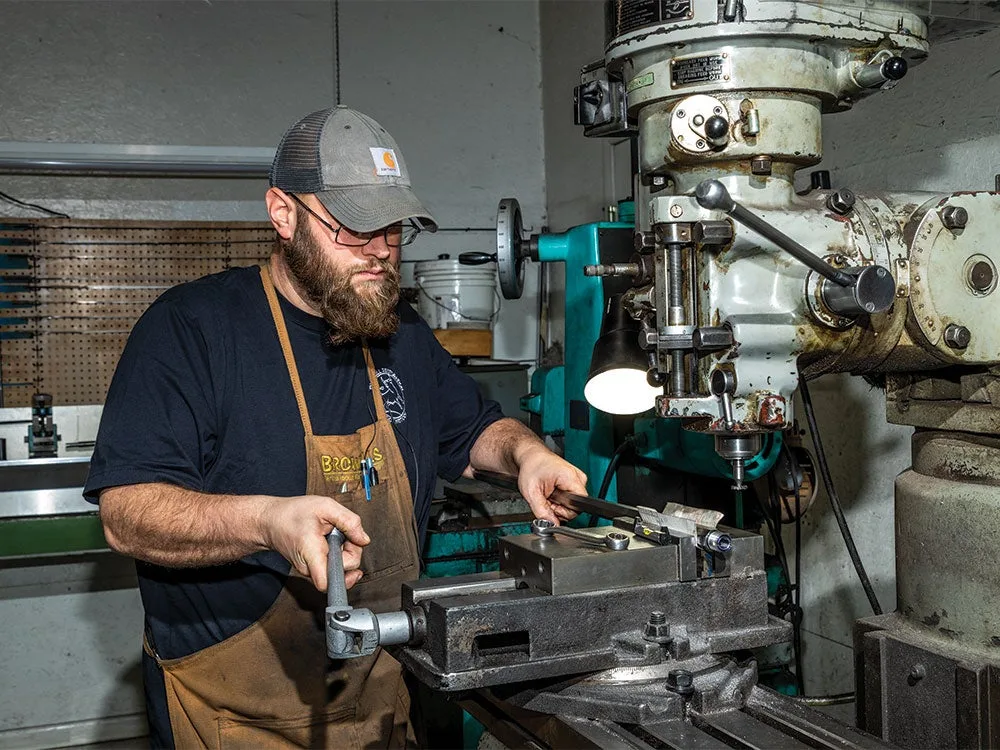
<point>454,553</point>
<point>53,535</point>
<point>557,392</point>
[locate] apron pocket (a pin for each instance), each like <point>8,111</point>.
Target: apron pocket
<point>335,729</point>
<point>389,550</point>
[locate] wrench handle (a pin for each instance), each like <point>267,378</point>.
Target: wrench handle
<point>336,587</point>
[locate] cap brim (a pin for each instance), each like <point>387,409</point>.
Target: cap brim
<point>371,207</point>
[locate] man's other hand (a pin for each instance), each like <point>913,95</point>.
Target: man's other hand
<point>296,527</point>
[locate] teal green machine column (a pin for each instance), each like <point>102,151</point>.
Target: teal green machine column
<point>557,392</point>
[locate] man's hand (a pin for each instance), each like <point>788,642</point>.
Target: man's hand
<point>296,527</point>
<point>540,471</point>
<point>510,447</point>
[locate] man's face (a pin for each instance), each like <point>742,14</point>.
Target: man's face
<point>356,289</point>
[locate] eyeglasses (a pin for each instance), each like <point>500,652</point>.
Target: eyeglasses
<point>396,235</point>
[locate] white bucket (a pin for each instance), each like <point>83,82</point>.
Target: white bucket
<point>452,295</point>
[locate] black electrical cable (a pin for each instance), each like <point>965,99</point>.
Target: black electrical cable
<point>797,613</point>
<point>616,458</point>
<point>32,206</point>
<point>838,510</point>
<point>791,604</point>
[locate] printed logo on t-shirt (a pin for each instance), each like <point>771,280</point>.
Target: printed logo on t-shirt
<point>391,388</point>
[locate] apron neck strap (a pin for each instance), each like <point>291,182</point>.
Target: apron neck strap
<point>373,380</point>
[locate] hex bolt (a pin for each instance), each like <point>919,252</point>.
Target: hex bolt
<point>956,336</point>
<point>841,202</point>
<point>656,629</point>
<point>644,241</point>
<point>680,681</point>
<point>760,165</point>
<point>954,217</point>
<point>981,276</point>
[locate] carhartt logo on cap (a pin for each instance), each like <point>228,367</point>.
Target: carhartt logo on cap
<point>385,162</point>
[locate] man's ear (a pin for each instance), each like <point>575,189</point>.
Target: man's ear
<point>281,212</point>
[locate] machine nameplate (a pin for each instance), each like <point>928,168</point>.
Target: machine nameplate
<point>634,14</point>
<point>694,70</point>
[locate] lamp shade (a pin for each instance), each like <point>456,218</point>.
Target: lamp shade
<point>617,383</point>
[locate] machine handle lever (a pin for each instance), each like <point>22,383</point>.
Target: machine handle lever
<point>712,194</point>
<point>477,259</point>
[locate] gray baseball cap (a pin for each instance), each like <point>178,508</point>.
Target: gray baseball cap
<point>353,166</point>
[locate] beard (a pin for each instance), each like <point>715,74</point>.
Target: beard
<point>366,312</point>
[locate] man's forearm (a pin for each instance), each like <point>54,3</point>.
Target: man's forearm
<point>175,527</point>
<point>502,447</point>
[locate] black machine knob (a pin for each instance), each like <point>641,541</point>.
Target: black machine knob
<point>717,131</point>
<point>894,68</point>
<point>881,74</point>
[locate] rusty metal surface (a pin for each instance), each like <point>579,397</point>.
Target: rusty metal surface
<point>72,289</point>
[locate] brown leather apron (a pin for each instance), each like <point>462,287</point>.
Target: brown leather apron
<point>272,685</point>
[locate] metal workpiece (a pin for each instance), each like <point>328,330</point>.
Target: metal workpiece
<point>571,564</point>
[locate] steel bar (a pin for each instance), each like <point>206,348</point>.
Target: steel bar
<point>578,503</point>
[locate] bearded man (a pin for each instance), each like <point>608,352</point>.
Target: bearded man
<point>247,419</point>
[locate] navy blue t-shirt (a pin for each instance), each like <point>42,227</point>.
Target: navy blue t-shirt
<point>202,399</point>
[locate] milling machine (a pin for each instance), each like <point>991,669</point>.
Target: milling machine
<point>743,289</point>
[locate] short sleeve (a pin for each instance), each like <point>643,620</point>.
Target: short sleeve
<point>158,422</point>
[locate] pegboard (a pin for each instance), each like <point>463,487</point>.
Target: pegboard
<point>71,290</point>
